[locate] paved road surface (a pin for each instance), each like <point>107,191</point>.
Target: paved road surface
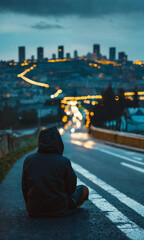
<point>115,210</point>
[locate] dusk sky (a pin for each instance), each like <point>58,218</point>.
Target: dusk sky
<point>76,24</point>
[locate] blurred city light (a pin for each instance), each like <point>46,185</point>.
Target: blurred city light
<point>61,131</point>
<point>72,130</point>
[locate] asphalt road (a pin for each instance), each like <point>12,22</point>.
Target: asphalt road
<point>115,209</point>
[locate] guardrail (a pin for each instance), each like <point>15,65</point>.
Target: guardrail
<point>8,142</point>
<point>128,139</point>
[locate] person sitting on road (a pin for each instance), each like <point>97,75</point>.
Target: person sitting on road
<point>48,180</point>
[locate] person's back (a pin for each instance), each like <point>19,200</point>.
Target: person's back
<point>48,180</point>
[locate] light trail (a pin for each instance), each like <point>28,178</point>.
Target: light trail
<point>21,75</point>
<point>59,91</point>
<point>105,62</point>
<point>58,60</point>
<point>129,93</point>
<point>65,99</point>
<point>133,93</point>
<point>83,97</point>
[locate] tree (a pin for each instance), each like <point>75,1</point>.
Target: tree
<point>108,97</point>
<point>110,107</point>
<point>29,118</point>
<point>136,98</point>
<point>9,118</point>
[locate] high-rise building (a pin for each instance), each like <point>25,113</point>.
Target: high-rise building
<point>96,50</point>
<point>40,54</point>
<point>91,56</point>
<point>103,57</point>
<point>53,56</point>
<point>75,54</point>
<point>122,57</point>
<point>68,55</point>
<point>32,57</point>
<point>88,56</point>
<point>112,53</point>
<point>60,52</point>
<point>21,54</point>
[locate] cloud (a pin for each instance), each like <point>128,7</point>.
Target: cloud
<point>80,8</point>
<point>43,26</point>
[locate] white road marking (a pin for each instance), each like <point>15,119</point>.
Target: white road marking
<point>132,230</point>
<point>120,156</point>
<point>130,153</point>
<point>93,146</point>
<point>138,158</point>
<point>132,167</point>
<point>137,207</point>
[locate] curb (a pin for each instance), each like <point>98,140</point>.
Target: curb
<point>139,150</point>
<point>129,142</point>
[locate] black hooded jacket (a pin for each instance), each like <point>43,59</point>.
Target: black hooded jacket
<point>48,180</point>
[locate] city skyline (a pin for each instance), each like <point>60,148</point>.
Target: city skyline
<point>34,54</point>
<point>74,25</point>
<point>96,54</point>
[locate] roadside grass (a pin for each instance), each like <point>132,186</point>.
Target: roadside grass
<point>9,159</point>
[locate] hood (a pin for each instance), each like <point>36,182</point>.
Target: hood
<point>50,141</point>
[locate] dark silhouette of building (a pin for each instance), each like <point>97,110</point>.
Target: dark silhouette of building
<point>96,50</point>
<point>68,55</point>
<point>60,52</point>
<point>53,56</point>
<point>32,57</point>
<point>112,53</point>
<point>40,54</point>
<point>75,54</point>
<point>122,57</point>
<point>21,54</point>
<point>103,57</point>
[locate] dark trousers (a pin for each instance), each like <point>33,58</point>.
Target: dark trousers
<point>79,196</point>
